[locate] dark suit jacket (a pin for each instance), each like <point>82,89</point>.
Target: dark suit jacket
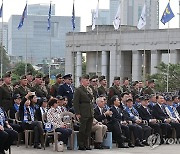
<point>144,114</point>
<point>65,90</point>
<point>83,102</point>
<point>158,113</point>
<point>12,112</point>
<point>6,97</point>
<point>117,114</point>
<point>38,115</point>
<point>100,117</point>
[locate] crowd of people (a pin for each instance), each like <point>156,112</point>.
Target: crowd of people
<point>123,109</point>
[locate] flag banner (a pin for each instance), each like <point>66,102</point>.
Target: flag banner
<point>49,18</point>
<point>142,20</point>
<point>1,10</point>
<point>117,19</point>
<point>73,18</point>
<point>95,16</point>
<point>24,15</point>
<point>167,15</point>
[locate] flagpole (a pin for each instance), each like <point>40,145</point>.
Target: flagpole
<point>2,41</point>
<point>26,45</point>
<point>168,61</point>
<point>97,43</point>
<point>73,47</point>
<point>144,59</point>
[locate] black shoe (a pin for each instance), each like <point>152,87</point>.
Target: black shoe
<point>36,146</point>
<point>82,148</point>
<point>131,145</point>
<point>122,146</point>
<point>145,143</point>
<point>88,148</point>
<point>139,144</point>
<point>98,146</point>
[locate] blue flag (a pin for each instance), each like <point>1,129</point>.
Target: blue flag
<point>73,18</point>
<point>167,15</point>
<point>49,18</point>
<point>1,10</point>
<point>24,15</point>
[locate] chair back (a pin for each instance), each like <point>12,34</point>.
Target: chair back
<point>67,118</point>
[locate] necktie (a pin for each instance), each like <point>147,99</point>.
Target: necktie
<point>28,114</point>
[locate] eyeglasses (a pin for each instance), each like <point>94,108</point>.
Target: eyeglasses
<point>94,80</point>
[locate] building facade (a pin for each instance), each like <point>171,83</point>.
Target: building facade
<point>4,35</point>
<point>120,53</point>
<point>34,42</point>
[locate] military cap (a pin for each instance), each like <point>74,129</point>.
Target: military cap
<point>94,77</point>
<point>168,98</point>
<point>23,77</point>
<point>7,75</point>
<point>16,96</point>
<point>116,78</point>
<point>150,81</point>
<point>58,76</point>
<point>125,78</point>
<point>59,97</point>
<point>102,78</point>
<point>67,76</point>
<point>129,99</point>
<point>38,76</point>
<point>145,97</point>
<point>85,76</point>
<point>29,73</point>
<point>46,77</point>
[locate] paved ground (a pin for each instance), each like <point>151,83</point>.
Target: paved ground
<point>163,149</point>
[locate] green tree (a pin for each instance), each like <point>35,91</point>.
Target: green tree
<point>83,65</point>
<point>5,60</point>
<point>19,69</point>
<point>161,77</point>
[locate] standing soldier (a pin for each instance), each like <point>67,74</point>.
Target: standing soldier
<point>6,92</point>
<point>55,87</point>
<point>84,111</point>
<point>102,89</point>
<point>29,78</point>
<point>126,87</point>
<point>94,86</point>
<point>150,89</point>
<point>23,89</point>
<point>115,89</point>
<point>67,89</point>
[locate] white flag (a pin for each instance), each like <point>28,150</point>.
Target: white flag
<point>95,16</point>
<point>117,20</point>
<point>142,20</point>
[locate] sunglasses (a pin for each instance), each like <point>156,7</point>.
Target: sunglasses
<point>94,80</point>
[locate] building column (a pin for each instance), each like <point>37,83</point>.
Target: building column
<point>136,65</point>
<point>69,65</point>
<point>78,68</point>
<point>155,60</point>
<point>104,63</point>
<point>113,66</point>
<point>119,65</point>
<point>173,56</point>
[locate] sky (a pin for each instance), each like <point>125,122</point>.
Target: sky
<point>82,8</point>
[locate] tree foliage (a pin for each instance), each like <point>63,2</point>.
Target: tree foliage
<point>161,77</point>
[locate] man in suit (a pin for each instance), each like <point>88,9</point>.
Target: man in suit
<point>55,87</point>
<point>67,89</point>
<point>115,89</point>
<point>159,113</point>
<point>119,124</point>
<point>6,92</point>
<point>83,107</point>
<point>145,114</point>
<point>22,89</point>
<point>102,89</point>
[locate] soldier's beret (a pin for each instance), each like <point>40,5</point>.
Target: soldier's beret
<point>151,81</point>
<point>46,77</point>
<point>102,78</point>
<point>7,75</point>
<point>67,76</point>
<point>94,77</point>
<point>145,97</point>
<point>23,77</point>
<point>29,73</point>
<point>38,76</point>
<point>125,78</point>
<point>86,76</point>
<point>168,98</point>
<point>116,78</point>
<point>58,76</point>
